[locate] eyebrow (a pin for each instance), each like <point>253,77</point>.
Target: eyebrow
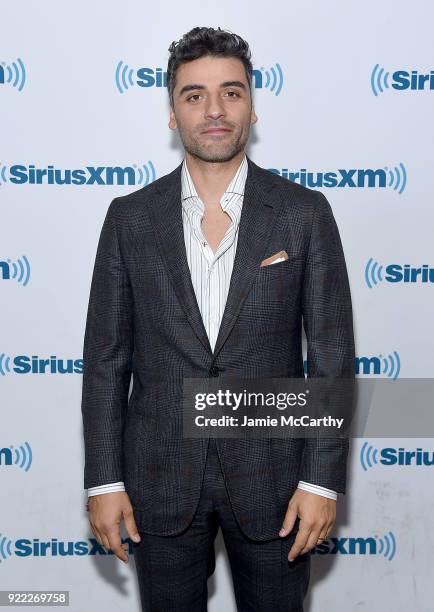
<point>192,86</point>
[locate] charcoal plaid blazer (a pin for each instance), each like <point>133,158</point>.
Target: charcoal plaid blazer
<point>143,319</point>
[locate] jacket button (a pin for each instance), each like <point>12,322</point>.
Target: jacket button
<point>214,370</point>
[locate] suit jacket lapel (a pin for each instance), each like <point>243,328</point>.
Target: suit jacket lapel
<point>166,215</point>
<point>260,207</point>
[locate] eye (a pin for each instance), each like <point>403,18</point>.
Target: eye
<point>193,96</point>
<point>234,92</point>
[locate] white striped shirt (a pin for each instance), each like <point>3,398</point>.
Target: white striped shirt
<point>211,272</point>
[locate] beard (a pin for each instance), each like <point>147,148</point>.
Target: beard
<point>216,149</point>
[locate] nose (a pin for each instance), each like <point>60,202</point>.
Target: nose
<point>214,107</point>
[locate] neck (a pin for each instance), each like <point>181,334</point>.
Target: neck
<point>211,179</point>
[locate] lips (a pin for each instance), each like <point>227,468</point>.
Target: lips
<point>216,131</point>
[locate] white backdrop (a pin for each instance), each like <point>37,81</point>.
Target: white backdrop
<point>331,103</point>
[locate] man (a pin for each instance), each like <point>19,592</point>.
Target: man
<point>178,292</point>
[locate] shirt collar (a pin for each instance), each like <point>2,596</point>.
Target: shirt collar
<point>189,194</point>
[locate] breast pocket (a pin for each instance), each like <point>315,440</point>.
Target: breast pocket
<point>273,301</point>
<point>276,292</point>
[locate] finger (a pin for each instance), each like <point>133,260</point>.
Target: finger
<point>98,534</point>
<point>115,544</point>
<point>130,524</point>
<point>312,540</point>
<point>324,532</point>
<point>104,539</point>
<point>328,531</point>
<point>299,542</point>
<point>289,520</point>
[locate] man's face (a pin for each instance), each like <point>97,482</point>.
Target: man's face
<point>212,92</point>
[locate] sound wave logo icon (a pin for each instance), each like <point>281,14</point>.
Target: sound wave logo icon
<point>3,178</point>
<point>368,456</point>
<point>379,80</point>
<point>273,78</point>
<point>5,364</point>
<point>387,546</point>
<point>373,273</point>
<point>124,77</point>
<point>391,365</point>
<point>397,177</point>
<point>18,270</point>
<point>5,548</point>
<point>13,74</point>
<point>23,456</point>
<point>145,173</point>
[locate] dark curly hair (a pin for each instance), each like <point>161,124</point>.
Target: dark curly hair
<point>201,41</point>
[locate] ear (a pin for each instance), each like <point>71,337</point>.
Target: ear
<point>172,120</point>
<point>253,116</point>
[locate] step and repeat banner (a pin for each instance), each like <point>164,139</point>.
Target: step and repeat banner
<point>344,93</point>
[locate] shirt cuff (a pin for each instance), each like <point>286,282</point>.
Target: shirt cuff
<point>106,488</point>
<point>312,488</point>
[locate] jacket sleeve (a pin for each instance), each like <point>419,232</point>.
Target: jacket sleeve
<point>107,357</point>
<point>328,324</point>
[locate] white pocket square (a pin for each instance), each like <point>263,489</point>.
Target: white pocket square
<point>277,260</point>
<point>279,256</point>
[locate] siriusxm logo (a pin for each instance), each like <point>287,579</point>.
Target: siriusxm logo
<point>400,80</point>
<point>371,456</point>
<point>374,545</point>
<point>127,77</point>
<point>374,178</point>
<point>25,547</point>
<point>24,364</point>
<point>375,365</point>
<point>397,273</point>
<point>90,175</point>
<point>20,457</point>
<point>13,74</point>
<point>18,271</point>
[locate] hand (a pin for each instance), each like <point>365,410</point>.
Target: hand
<point>105,514</point>
<point>317,515</point>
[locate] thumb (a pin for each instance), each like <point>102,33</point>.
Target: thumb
<point>290,518</point>
<point>130,525</point>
